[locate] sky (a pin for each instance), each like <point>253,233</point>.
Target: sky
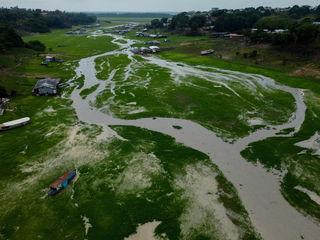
<point>149,5</point>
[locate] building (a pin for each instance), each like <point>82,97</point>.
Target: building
<point>234,35</point>
<point>47,86</point>
<point>281,30</point>
<point>316,23</point>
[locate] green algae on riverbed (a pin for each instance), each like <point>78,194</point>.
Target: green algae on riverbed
<point>133,181</point>
<point>303,167</point>
<point>151,90</point>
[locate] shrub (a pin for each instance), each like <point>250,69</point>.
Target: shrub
<point>37,46</point>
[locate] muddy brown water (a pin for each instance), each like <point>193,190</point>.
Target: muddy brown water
<point>272,216</point>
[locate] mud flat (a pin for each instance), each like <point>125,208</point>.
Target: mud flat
<point>270,213</point>
<point>145,232</point>
<point>313,144</point>
<point>312,195</point>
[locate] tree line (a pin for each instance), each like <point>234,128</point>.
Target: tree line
<point>297,21</point>
<point>16,21</point>
<point>39,21</point>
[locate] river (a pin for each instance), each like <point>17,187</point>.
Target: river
<point>272,216</point>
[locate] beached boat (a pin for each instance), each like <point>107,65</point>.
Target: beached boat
<point>62,182</point>
<point>207,52</point>
<point>14,124</point>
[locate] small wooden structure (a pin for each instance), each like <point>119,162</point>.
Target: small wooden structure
<point>47,86</point>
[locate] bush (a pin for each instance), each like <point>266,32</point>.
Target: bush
<point>253,54</point>
<point>37,46</point>
<point>9,38</point>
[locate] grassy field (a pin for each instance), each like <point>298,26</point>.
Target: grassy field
<point>72,47</point>
<point>132,182</point>
<point>21,68</point>
<point>51,116</point>
<point>153,92</point>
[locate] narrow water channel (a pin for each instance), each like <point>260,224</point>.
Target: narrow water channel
<point>259,190</point>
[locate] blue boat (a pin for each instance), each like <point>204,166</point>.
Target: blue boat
<point>62,182</point>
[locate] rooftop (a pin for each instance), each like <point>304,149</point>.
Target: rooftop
<point>47,82</point>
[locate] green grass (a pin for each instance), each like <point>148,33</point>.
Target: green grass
<point>98,198</point>
<point>152,88</point>
<point>277,152</point>
<point>20,70</point>
<point>73,47</point>
<point>105,65</point>
<point>282,77</point>
<point>85,92</point>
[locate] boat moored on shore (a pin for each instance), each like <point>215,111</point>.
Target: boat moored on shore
<point>14,124</point>
<point>62,182</point>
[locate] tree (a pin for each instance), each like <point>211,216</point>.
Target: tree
<point>298,12</point>
<point>274,22</point>
<point>9,38</point>
<point>260,37</point>
<point>305,33</point>
<point>317,11</point>
<point>164,20</point>
<point>197,21</point>
<point>229,23</point>
<point>156,23</point>
<point>238,20</point>
<point>180,21</point>
<point>282,39</point>
<point>42,21</point>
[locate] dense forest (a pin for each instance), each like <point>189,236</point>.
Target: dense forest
<point>29,20</point>
<point>17,21</point>
<point>298,24</point>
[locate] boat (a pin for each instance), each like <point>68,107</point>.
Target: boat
<point>62,182</point>
<point>207,52</point>
<point>14,124</point>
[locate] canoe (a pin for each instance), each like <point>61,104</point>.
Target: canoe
<point>14,124</point>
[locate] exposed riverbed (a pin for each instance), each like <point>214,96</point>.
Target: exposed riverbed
<point>270,213</point>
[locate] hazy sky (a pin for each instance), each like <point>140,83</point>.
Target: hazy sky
<point>149,5</point>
